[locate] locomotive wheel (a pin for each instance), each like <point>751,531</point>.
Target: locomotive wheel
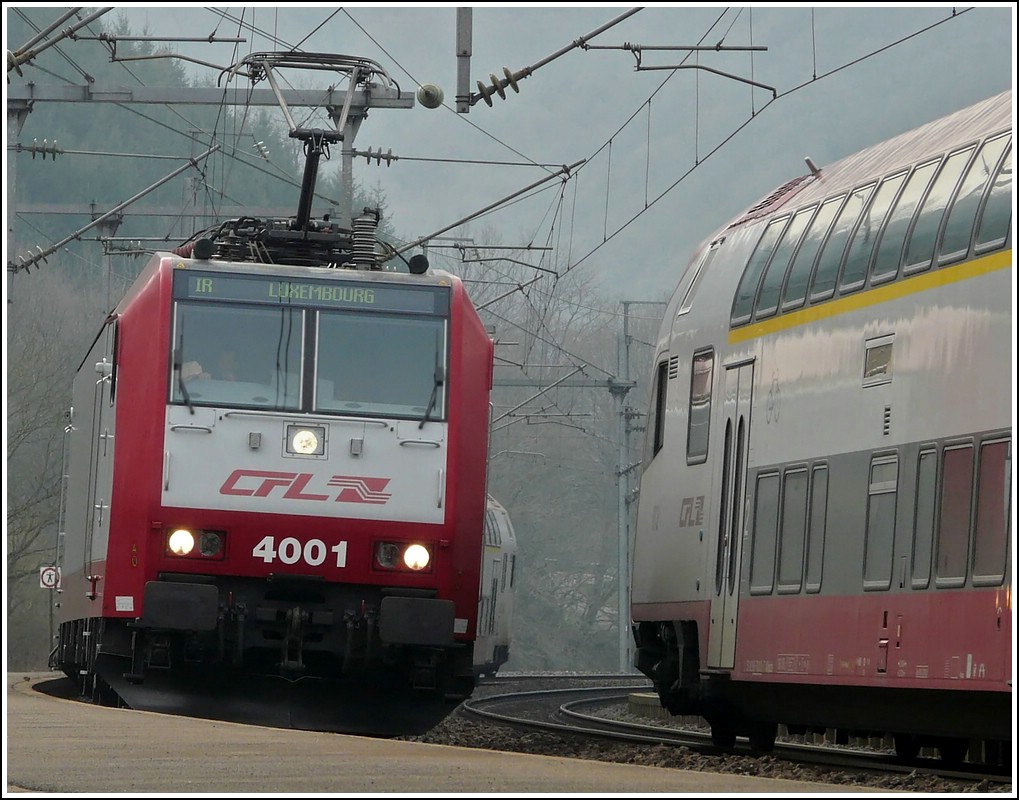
<point>723,735</point>
<point>907,747</point>
<point>953,751</point>
<point>762,736</point>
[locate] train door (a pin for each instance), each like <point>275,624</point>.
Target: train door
<point>737,391</point>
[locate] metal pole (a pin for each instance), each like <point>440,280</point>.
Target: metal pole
<point>619,395</point>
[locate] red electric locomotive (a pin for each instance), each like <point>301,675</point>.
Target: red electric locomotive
<point>278,469</point>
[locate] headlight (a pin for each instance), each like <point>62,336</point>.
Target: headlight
<point>416,557</point>
<point>306,440</point>
<point>181,542</point>
<point>402,557</point>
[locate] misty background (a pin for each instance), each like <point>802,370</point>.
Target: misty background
<point>572,274</point>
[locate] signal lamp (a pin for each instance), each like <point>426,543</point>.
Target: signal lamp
<point>181,542</point>
<point>402,557</point>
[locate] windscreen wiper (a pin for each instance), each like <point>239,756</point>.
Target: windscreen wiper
<point>179,372</point>
<point>439,378</point>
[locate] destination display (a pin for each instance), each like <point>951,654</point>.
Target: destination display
<point>190,285</point>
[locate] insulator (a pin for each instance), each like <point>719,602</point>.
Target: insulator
<point>485,93</point>
<point>510,80</point>
<point>363,249</point>
<point>379,157</point>
<point>498,86</point>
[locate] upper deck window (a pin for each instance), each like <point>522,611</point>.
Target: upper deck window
<point>962,215</point>
<point>920,247</point>
<point>771,284</point>
<point>889,249</point>
<point>827,271</point>
<point>854,271</point>
<point>996,218</point>
<point>747,290</point>
<point>795,291</point>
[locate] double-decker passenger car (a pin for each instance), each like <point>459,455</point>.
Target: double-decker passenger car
<point>823,536</point>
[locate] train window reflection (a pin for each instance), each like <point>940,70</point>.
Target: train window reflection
<point>877,362</point>
<point>920,247</point>
<point>854,271</point>
<point>923,524</point>
<point>818,523</point>
<point>962,215</point>
<point>880,535</point>
<point>747,290</point>
<point>380,365</point>
<point>953,521</point>
<point>700,406</point>
<point>996,219</point>
<point>794,525</point>
<point>241,356</point>
<point>762,564</point>
<point>889,249</point>
<point>771,284</point>
<point>656,414</point>
<point>826,273</point>
<point>795,291</point>
<point>990,537</point>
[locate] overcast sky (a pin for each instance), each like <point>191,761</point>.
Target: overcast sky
<point>829,80</point>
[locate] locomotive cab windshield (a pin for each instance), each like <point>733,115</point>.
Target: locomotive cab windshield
<point>258,342</point>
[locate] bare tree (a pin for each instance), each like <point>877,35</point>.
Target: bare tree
<point>555,446</point>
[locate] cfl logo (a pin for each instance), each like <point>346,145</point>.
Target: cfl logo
<point>295,486</point>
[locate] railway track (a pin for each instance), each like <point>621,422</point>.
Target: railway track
<point>599,712</point>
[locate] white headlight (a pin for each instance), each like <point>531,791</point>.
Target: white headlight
<point>416,557</point>
<point>181,542</point>
<point>306,440</point>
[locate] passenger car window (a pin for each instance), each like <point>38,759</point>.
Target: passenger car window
<point>701,373</point>
<point>996,219</point>
<point>771,284</point>
<point>795,291</point>
<point>920,247</point>
<point>826,273</point>
<point>889,249</point>
<point>854,272</point>
<point>747,290</point>
<point>962,215</point>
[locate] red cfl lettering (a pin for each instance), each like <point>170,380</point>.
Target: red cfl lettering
<point>294,481</point>
<point>261,483</point>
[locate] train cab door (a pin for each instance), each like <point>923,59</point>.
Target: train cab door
<point>733,438</point>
